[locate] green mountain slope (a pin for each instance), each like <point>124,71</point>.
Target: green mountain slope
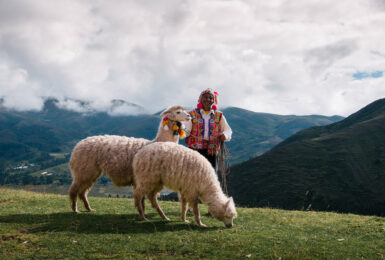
<point>255,133</point>
<point>22,138</point>
<point>338,167</point>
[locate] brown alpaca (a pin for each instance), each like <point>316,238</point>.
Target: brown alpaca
<point>113,155</point>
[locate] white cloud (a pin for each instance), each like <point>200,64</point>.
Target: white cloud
<point>277,56</point>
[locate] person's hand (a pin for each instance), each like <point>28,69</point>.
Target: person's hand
<point>221,138</point>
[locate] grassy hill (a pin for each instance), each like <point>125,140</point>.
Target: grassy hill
<point>339,167</point>
<point>41,226</point>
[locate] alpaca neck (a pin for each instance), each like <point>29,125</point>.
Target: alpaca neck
<point>212,195</point>
<point>164,135</point>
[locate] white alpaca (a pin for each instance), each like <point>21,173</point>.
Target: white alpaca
<point>184,170</point>
<point>113,155</point>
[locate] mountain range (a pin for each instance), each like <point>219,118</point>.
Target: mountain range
<point>30,135</point>
<point>292,162</point>
<point>338,167</point>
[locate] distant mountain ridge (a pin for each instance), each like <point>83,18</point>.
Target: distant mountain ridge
<point>338,167</point>
<point>255,133</point>
<point>54,129</point>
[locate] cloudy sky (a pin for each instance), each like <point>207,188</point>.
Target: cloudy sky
<point>285,57</point>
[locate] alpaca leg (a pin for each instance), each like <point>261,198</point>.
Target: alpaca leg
<point>73,193</point>
<point>184,208</point>
<point>86,187</point>
<point>139,203</point>
<point>83,197</point>
<point>81,185</point>
<point>197,214</point>
<point>154,203</point>
<point>143,206</point>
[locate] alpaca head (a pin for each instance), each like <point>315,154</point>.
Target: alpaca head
<point>225,213</point>
<point>176,113</point>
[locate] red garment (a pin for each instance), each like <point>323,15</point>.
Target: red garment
<point>195,139</point>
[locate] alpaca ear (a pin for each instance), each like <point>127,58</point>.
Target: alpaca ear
<point>230,207</point>
<point>227,207</point>
<point>165,113</point>
<point>230,202</point>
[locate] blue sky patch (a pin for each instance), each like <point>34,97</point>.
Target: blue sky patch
<point>364,75</point>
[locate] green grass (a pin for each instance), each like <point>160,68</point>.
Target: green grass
<point>41,226</point>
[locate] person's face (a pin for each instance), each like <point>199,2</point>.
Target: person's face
<point>207,101</point>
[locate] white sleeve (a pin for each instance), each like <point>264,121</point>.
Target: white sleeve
<point>225,128</point>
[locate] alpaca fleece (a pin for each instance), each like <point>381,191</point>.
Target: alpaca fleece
<point>113,155</point>
<point>184,170</point>
<point>110,154</point>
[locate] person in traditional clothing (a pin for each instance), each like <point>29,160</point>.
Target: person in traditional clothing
<point>208,127</point>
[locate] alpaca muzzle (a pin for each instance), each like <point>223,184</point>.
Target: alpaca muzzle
<point>229,225</point>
